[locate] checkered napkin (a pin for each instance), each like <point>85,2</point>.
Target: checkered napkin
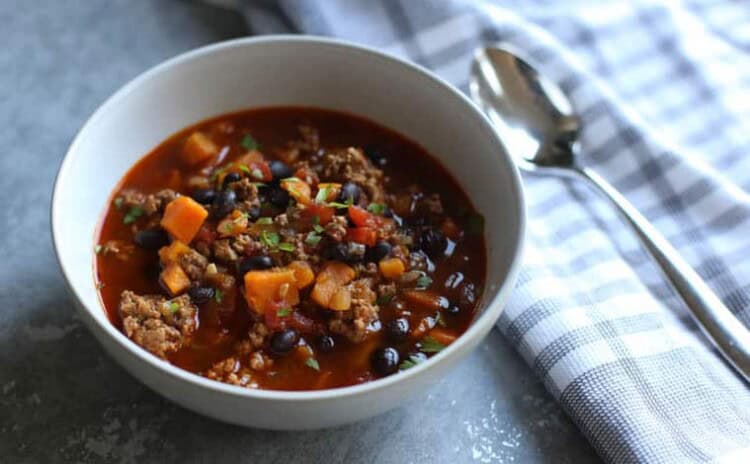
<point>663,89</point>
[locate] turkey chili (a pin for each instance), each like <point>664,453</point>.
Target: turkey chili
<point>290,249</point>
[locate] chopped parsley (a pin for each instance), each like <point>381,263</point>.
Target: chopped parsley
<point>257,173</point>
<point>284,312</point>
<point>133,213</point>
<point>264,221</point>
<point>384,299</point>
<point>289,247</point>
<point>424,282</point>
<point>218,295</point>
<point>98,249</point>
<point>475,224</point>
<point>430,345</point>
<point>313,238</point>
<point>249,143</point>
<point>411,361</point>
<point>322,195</point>
<point>228,227</point>
<point>118,202</point>
<point>312,363</point>
<point>337,204</point>
<point>173,307</point>
<point>316,225</point>
<point>245,169</point>
<point>377,208</point>
<point>270,239</point>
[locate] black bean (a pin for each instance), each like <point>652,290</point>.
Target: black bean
<point>337,252</point>
<point>397,329</point>
<point>229,178</point>
<point>283,341</point>
<point>432,242</point>
<point>385,361</point>
<point>224,203</point>
<point>277,196</point>
<point>452,310</point>
<point>151,239</point>
<point>355,252</point>
<point>350,193</point>
<point>253,213</point>
<point>376,156</point>
<point>204,196</point>
<point>201,295</point>
<point>255,263</point>
<point>326,344</point>
<point>379,251</point>
<point>280,170</point>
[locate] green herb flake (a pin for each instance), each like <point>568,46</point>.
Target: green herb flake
<point>270,239</point>
<point>313,238</point>
<point>377,208</point>
<point>118,202</point>
<point>173,307</point>
<point>312,363</point>
<point>412,361</point>
<point>475,224</point>
<point>339,205</point>
<point>384,299</point>
<point>290,179</point>
<point>316,225</point>
<point>218,295</point>
<point>98,249</point>
<point>424,282</point>
<point>245,169</point>
<point>249,143</point>
<point>284,312</point>
<point>288,247</point>
<point>322,195</point>
<point>227,227</point>
<point>133,213</point>
<point>430,345</point>
<point>257,173</point>
<point>259,184</point>
<point>264,221</point>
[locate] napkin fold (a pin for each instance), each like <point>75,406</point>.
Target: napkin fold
<point>663,89</point>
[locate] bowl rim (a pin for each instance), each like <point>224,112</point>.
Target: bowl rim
<point>493,305</point>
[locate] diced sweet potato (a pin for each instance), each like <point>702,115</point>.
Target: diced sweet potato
<point>271,288</point>
<point>234,224</point>
<point>170,254</point>
<point>364,235</point>
<point>426,300</point>
<point>341,300</point>
<point>330,280</point>
<point>391,268</point>
<point>183,218</point>
<point>198,148</point>
<point>303,274</point>
<point>175,279</point>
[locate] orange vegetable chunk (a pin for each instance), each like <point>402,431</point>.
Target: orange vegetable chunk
<point>298,189</point>
<point>303,274</point>
<point>183,218</point>
<point>391,268</point>
<point>170,254</point>
<point>271,288</point>
<point>175,279</point>
<point>330,280</point>
<point>198,149</point>
<point>425,300</point>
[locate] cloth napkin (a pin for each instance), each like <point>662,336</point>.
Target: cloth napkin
<point>663,89</point>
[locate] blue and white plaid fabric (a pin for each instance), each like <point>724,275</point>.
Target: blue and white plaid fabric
<point>664,93</point>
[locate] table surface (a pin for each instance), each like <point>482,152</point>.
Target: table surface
<point>63,400</point>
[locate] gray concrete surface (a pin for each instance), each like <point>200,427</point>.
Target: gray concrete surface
<point>63,400</point>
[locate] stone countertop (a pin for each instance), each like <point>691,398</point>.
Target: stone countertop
<point>63,400</point>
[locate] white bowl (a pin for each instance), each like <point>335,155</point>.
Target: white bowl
<point>270,71</point>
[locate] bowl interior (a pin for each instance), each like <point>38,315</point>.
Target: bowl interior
<point>270,72</point>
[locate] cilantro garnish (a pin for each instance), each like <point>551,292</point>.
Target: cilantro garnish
<point>322,195</point>
<point>312,363</point>
<point>430,345</point>
<point>384,299</point>
<point>227,227</point>
<point>245,169</point>
<point>257,173</point>
<point>133,213</point>
<point>173,306</point>
<point>249,143</point>
<point>376,208</point>
<point>264,221</point>
<point>284,312</point>
<point>270,239</point>
<point>118,202</point>
<point>424,282</point>
<point>316,224</point>
<point>289,247</point>
<point>218,295</point>
<point>410,362</point>
<point>313,238</point>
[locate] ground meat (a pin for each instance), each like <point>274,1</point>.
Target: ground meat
<point>259,361</point>
<point>246,245</point>
<point>351,165</point>
<point>151,203</point>
<point>224,252</point>
<point>336,229</point>
<point>369,270</point>
<point>258,334</point>
<point>354,324</point>
<point>309,144</point>
<point>120,249</point>
<point>159,325</point>
<point>246,191</point>
<point>194,264</point>
<point>388,289</point>
<point>231,371</point>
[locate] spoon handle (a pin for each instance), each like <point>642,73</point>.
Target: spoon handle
<point>726,332</point>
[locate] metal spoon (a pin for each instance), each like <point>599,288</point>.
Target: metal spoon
<point>537,125</point>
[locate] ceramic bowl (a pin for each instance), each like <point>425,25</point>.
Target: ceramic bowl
<point>271,71</point>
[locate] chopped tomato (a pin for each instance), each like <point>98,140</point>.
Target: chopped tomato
<point>364,235</point>
<point>264,169</point>
<point>361,217</point>
<point>307,175</point>
<point>324,213</point>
